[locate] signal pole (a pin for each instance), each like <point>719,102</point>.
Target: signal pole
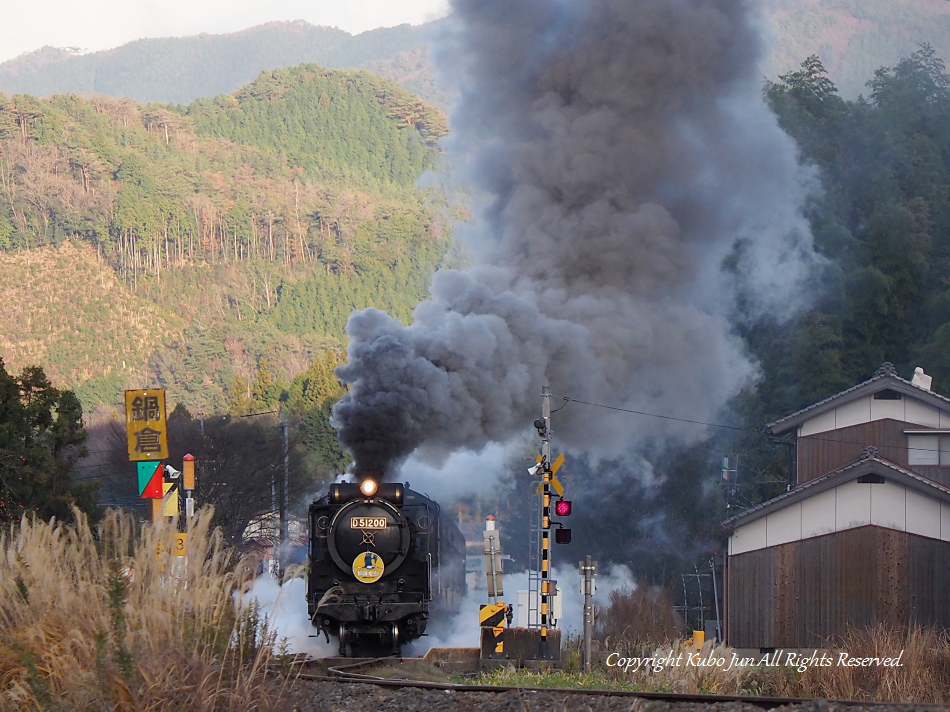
<point>188,484</point>
<point>492,616</point>
<point>546,583</point>
<point>588,569</point>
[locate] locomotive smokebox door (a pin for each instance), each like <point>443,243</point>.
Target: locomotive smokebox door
<point>368,538</point>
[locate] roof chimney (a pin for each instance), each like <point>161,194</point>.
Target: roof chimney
<point>921,379</point>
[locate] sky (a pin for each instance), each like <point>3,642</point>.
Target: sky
<point>103,24</point>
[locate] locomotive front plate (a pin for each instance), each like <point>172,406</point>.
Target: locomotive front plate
<point>368,522</point>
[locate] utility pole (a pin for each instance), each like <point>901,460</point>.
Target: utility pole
<point>284,488</point>
<point>284,497</point>
<point>588,569</point>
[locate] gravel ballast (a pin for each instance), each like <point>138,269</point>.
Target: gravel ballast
<point>312,696</point>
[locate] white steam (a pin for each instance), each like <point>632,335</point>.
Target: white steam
<point>461,474</point>
<point>285,608</point>
<point>462,631</point>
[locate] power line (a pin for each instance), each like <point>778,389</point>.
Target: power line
<point>746,430</point>
<point>657,415</point>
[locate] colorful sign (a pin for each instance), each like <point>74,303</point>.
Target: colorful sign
<point>146,430</point>
<point>146,471</point>
<point>153,488</point>
<point>368,567</point>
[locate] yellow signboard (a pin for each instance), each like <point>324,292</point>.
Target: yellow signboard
<point>145,425</point>
<point>180,548</point>
<point>170,500</point>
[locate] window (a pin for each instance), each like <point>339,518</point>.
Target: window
<point>928,449</point>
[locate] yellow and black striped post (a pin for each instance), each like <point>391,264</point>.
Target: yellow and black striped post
<point>545,556</point>
<point>491,618</point>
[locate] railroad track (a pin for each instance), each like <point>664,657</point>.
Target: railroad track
<point>359,671</point>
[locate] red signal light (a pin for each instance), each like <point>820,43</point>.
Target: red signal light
<point>562,507</point>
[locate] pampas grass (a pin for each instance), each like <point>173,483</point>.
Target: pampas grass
<point>642,623</point>
<point>111,619</point>
<point>923,678</point>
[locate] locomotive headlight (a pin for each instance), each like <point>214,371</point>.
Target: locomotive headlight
<point>368,487</point>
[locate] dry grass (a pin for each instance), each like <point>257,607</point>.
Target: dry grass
<point>99,620</point>
<point>924,676</point>
<point>636,619</point>
<point>642,623</point>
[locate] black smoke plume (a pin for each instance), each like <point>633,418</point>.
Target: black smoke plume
<point>634,196</point>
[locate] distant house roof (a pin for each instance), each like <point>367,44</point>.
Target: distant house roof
<point>870,463</point>
<point>884,378</point>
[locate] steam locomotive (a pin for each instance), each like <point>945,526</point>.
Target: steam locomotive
<point>382,559</point>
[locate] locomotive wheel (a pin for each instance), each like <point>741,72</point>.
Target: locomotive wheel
<point>394,633</point>
<point>346,648</point>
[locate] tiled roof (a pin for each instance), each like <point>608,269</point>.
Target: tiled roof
<point>869,462</point>
<point>885,377</point>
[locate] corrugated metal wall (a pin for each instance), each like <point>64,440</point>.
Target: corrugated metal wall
<point>824,452</point>
<point>801,594</point>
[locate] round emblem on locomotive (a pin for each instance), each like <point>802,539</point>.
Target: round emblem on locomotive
<point>368,567</point>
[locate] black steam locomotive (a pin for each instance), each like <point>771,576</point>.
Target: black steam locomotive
<point>382,559</point>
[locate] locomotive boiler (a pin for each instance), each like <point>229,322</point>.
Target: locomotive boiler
<point>383,558</point>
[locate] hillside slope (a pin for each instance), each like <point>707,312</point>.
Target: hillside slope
<point>854,38</point>
<point>182,69</point>
<point>64,308</point>
<point>249,227</point>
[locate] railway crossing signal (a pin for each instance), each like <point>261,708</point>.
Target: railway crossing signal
<point>493,616</point>
<point>540,584</point>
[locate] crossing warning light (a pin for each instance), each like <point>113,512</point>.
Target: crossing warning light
<point>562,508</point>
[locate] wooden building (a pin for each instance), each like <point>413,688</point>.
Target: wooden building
<point>863,535</point>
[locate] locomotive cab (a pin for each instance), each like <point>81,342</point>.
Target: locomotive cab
<point>375,551</point>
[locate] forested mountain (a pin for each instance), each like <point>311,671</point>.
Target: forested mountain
<point>881,219</point>
<point>217,248</point>
<point>883,222</point>
<point>853,38</point>
<point>182,69</point>
<point>244,229</point>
